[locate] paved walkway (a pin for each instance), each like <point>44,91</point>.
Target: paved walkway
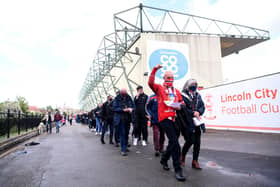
<point>76,158</point>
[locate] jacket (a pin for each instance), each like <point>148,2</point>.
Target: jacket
<point>119,104</point>
<point>152,108</point>
<point>164,95</point>
<point>140,104</point>
<point>197,103</point>
<point>98,112</point>
<point>192,104</point>
<point>49,117</point>
<point>107,111</point>
<point>57,117</point>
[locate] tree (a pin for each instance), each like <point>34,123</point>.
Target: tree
<point>13,106</point>
<point>2,107</point>
<point>50,107</point>
<point>23,104</point>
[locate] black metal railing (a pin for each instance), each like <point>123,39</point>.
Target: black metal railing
<point>16,123</point>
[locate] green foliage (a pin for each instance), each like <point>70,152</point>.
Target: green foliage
<point>11,105</point>
<point>50,107</point>
<point>2,106</point>
<point>23,104</point>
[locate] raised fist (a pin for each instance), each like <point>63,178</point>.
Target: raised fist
<point>158,66</point>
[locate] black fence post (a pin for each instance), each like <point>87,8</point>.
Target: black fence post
<point>26,122</point>
<point>8,124</point>
<point>19,121</point>
<point>32,121</point>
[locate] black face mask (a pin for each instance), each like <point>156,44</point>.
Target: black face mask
<point>193,88</point>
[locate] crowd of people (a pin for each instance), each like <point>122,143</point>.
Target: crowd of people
<point>171,113</point>
<point>57,118</point>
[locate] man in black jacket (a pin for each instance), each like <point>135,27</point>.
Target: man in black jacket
<point>141,120</point>
<point>123,108</point>
<point>108,115</point>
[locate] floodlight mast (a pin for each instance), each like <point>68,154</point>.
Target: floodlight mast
<point>115,47</point>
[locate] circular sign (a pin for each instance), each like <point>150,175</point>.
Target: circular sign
<point>171,60</point>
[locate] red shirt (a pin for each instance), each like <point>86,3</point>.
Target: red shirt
<point>164,95</point>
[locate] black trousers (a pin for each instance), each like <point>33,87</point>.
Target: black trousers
<point>173,149</point>
<point>117,133</point>
<point>192,139</point>
<point>93,123</point>
<point>141,127</point>
<point>108,124</point>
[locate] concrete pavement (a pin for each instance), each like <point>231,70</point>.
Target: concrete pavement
<point>75,157</point>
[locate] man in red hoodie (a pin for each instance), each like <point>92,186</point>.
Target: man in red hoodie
<point>169,100</point>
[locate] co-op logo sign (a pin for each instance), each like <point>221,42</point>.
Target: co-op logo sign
<point>171,60</point>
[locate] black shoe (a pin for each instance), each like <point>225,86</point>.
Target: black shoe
<point>128,145</point>
<point>164,165</point>
<point>111,142</point>
<point>102,141</point>
<point>117,145</point>
<point>157,154</point>
<point>179,175</point>
<point>123,153</point>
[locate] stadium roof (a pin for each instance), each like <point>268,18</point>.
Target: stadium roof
<point>234,37</point>
<point>128,26</point>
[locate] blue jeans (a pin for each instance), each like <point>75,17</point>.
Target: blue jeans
<point>89,124</point>
<point>98,125</point>
<point>49,126</point>
<point>117,133</point>
<point>57,123</point>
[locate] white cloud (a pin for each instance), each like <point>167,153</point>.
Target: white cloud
<point>257,60</point>
<point>46,47</point>
<point>255,13</point>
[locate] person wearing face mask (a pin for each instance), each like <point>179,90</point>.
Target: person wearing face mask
<point>108,114</point>
<point>195,108</point>
<point>169,100</point>
<point>123,108</point>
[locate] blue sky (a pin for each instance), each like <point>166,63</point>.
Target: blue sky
<point>177,5</point>
<point>46,47</point>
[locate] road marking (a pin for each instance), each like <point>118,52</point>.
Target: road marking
<point>12,150</point>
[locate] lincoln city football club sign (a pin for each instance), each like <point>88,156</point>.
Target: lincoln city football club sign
<point>252,105</point>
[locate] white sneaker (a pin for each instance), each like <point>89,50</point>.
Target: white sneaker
<point>135,141</point>
<point>144,143</point>
<point>94,130</point>
<point>100,133</point>
<point>96,133</point>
